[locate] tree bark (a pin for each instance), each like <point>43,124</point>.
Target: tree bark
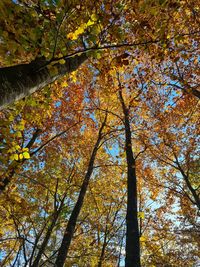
<point>47,236</point>
<point>19,81</point>
<point>189,186</point>
<point>195,92</point>
<point>103,248</point>
<point>69,231</point>
<point>132,230</point>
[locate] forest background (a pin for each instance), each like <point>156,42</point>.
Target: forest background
<point>99,140</point>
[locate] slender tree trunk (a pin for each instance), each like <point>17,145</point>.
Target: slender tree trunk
<point>189,186</point>
<point>22,80</point>
<point>192,190</point>
<point>121,246</point>
<point>69,231</point>
<point>44,243</point>
<point>47,236</point>
<point>103,248</point>
<point>132,231</point>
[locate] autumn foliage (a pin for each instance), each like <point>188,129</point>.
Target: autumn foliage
<point>99,133</point>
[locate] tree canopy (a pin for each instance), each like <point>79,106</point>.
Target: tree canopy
<point>99,139</point>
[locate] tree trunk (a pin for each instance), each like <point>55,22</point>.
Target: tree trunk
<point>22,80</point>
<point>69,231</point>
<point>48,235</point>
<point>103,248</point>
<point>132,230</point>
<point>195,92</point>
<point>189,186</point>
<point>44,243</point>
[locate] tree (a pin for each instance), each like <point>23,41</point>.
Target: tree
<point>54,44</point>
<point>149,137</point>
<point>69,231</point>
<point>22,80</point>
<point>132,232</point>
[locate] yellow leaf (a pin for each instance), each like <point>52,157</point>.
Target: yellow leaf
<point>14,157</point>
<point>90,23</point>
<point>26,155</point>
<point>168,36</point>
<point>18,134</point>
<point>11,118</point>
<point>98,55</point>
<point>20,127</point>
<point>25,149</point>
<point>62,61</point>
<point>80,30</point>
<point>20,156</point>
<point>94,17</point>
<point>64,84</point>
<point>17,147</point>
<point>22,121</point>
<point>70,35</point>
<point>11,150</point>
<point>11,157</point>
<point>142,238</point>
<point>141,214</point>
<point>73,76</point>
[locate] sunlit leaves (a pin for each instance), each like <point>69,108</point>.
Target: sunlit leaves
<point>156,80</point>
<point>26,155</point>
<point>82,28</point>
<point>141,214</point>
<point>22,153</point>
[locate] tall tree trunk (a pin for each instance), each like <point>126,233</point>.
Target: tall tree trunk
<point>103,248</point>
<point>120,250</point>
<point>69,231</point>
<point>45,242</point>
<point>132,231</point>
<point>48,235</point>
<point>22,80</point>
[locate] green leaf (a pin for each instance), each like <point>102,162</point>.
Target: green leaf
<point>62,61</point>
<point>26,155</point>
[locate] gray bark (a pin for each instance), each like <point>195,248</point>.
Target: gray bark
<point>17,82</point>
